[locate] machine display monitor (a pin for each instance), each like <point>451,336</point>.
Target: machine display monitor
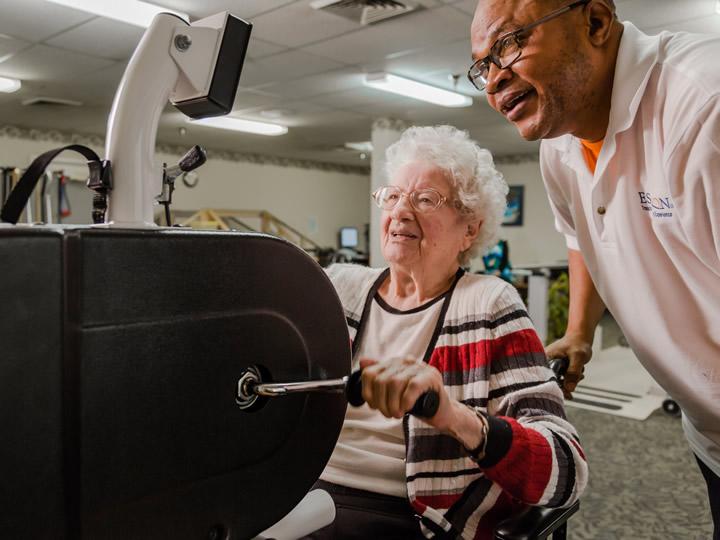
<point>348,237</point>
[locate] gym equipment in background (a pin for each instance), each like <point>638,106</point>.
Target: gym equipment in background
<point>347,251</point>
<point>260,221</point>
<point>497,261</point>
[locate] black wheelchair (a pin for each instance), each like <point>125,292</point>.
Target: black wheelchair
<point>537,523</point>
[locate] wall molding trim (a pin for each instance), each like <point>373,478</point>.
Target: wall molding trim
<point>98,141</point>
<point>65,137</point>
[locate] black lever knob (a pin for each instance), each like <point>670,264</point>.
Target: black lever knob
<point>194,157</point>
<point>425,407</point>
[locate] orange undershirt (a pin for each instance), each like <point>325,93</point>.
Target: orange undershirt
<point>591,151</point>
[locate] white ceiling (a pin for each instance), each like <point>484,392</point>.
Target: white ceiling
<point>304,68</point>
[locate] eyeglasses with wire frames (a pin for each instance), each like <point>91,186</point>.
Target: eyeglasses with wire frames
<point>507,49</point>
<point>422,200</point>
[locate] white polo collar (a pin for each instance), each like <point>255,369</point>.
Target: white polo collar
<point>637,57</point>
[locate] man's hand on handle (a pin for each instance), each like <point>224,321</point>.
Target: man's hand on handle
<point>586,309</point>
<point>578,351</point>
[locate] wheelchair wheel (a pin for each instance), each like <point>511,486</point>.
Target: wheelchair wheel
<point>671,407</point>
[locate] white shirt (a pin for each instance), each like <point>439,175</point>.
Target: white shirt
<point>370,452</point>
<point>654,254</point>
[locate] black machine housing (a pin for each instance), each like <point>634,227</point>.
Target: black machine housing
<point>121,351</point>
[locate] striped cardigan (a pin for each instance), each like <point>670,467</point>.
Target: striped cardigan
<point>491,358</point>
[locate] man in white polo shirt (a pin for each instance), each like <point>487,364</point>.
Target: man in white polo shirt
<point>631,161</point>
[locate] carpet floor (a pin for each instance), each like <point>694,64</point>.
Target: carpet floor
<point>644,481</point>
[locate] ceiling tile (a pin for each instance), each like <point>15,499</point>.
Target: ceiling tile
<point>36,20</point>
<point>42,63</point>
<point>84,120</point>
<point>338,118</point>
<point>455,80</point>
<point>296,113</point>
<point>299,24</point>
<point>248,100</point>
<point>416,31</point>
<point>466,6</point>
<point>9,46</point>
<point>418,112</point>
<point>476,115</point>
<point>241,8</point>
<point>104,37</point>
<point>285,66</point>
<point>448,58</point>
<point>319,84</point>
<point>258,48</point>
<point>97,88</point>
<point>356,98</point>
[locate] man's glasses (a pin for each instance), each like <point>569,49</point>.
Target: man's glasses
<point>508,48</point>
<point>422,200</point>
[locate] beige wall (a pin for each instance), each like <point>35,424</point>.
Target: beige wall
<point>536,241</point>
<point>315,202</point>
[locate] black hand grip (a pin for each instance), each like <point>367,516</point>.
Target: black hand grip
<point>560,367</point>
<point>425,407</point>
<point>353,389</point>
<point>194,157</point>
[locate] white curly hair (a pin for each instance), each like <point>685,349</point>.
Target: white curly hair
<point>477,184</point>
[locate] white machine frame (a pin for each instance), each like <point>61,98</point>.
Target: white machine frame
<point>174,60</point>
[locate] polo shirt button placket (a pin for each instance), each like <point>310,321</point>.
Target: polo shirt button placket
<point>600,221</point>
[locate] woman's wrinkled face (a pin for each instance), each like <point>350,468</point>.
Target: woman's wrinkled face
<point>415,240</point>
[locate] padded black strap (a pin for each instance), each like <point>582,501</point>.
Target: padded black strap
<point>20,195</point>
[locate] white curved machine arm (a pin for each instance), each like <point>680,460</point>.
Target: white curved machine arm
<point>197,67</point>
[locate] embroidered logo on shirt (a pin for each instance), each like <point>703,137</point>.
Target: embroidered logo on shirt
<point>660,207</point>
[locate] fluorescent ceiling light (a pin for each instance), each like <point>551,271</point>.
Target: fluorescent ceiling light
<point>364,146</point>
<point>9,85</point>
<point>129,11</point>
<point>240,124</point>
<point>416,90</point>
<point>717,7</point>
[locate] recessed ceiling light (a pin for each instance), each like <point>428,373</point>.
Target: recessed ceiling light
<point>416,90</point>
<point>129,11</point>
<point>240,124</point>
<point>9,85</point>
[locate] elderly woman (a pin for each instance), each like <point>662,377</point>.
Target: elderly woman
<point>499,440</point>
